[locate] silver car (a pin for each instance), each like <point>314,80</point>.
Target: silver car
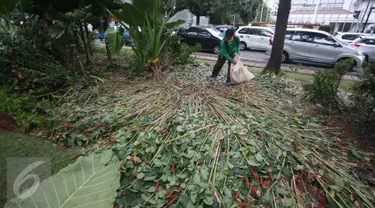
<point>315,46</point>
<point>367,46</point>
<point>348,37</point>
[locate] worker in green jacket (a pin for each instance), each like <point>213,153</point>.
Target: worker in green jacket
<point>230,46</point>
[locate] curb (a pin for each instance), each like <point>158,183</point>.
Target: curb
<point>284,67</point>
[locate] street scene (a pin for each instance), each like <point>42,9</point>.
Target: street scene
<point>187,104</point>
<point>349,24</point>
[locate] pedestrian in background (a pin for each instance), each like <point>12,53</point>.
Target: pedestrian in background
<point>223,30</point>
<point>230,46</point>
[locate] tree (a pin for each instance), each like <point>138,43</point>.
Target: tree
<point>274,64</point>
<point>266,15</point>
<point>197,7</point>
<point>247,10</point>
<point>221,11</point>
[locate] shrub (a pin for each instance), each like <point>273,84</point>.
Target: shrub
<point>326,28</point>
<point>180,52</point>
<point>325,86</point>
<point>364,94</point>
<point>25,58</point>
<point>308,27</point>
<point>23,108</point>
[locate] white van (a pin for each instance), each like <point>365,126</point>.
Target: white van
<point>254,38</point>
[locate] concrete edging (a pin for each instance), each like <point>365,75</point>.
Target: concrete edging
<point>286,67</point>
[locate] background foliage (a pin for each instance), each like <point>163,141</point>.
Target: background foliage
<point>221,11</point>
<point>326,28</point>
<point>364,96</point>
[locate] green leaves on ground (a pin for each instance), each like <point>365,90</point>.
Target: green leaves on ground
<point>91,181</point>
<point>211,145</point>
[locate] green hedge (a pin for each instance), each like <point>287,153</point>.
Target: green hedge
<point>326,28</point>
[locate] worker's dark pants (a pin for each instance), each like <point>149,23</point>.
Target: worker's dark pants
<point>219,64</point>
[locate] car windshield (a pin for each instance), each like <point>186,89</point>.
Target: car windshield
<point>213,31</point>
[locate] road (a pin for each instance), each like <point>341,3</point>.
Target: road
<point>258,56</point>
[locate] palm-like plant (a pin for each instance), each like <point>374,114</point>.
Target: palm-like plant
<point>147,26</point>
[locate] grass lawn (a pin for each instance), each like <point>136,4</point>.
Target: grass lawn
<point>345,84</point>
<point>22,145</point>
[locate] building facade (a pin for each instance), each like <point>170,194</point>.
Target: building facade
<point>337,13</point>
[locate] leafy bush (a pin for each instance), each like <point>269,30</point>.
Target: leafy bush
<point>25,57</point>
<point>326,28</point>
<point>325,86</point>
<point>180,52</point>
<point>23,108</point>
<point>364,94</point>
<point>308,27</point>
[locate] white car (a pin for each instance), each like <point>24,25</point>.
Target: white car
<point>316,46</point>
<point>348,37</point>
<point>254,38</point>
<point>367,46</point>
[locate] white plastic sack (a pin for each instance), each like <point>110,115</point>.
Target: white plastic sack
<point>239,73</point>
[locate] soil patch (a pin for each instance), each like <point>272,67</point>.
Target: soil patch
<point>8,123</point>
<point>360,136</point>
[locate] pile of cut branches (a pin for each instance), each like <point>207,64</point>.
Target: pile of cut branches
<point>186,142</point>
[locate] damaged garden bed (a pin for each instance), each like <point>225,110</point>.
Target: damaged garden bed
<point>188,142</point>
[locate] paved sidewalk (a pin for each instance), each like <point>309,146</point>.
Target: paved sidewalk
<point>286,67</point>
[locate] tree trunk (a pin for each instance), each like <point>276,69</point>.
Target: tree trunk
<point>198,15</point>
<point>274,63</point>
<point>84,43</point>
<point>79,59</point>
<point>105,27</point>
<point>88,36</point>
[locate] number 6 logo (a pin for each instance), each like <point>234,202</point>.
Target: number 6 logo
<point>23,177</point>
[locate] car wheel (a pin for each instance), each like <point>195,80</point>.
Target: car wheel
<point>216,49</point>
<point>284,57</point>
<point>243,46</point>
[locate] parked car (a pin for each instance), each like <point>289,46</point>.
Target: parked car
<point>348,37</point>
<point>366,45</point>
<point>209,38</point>
<point>315,46</point>
<point>254,38</point>
<point>223,28</point>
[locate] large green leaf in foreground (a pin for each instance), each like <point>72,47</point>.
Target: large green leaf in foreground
<point>91,181</point>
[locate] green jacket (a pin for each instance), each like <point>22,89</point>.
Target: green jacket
<point>228,50</point>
